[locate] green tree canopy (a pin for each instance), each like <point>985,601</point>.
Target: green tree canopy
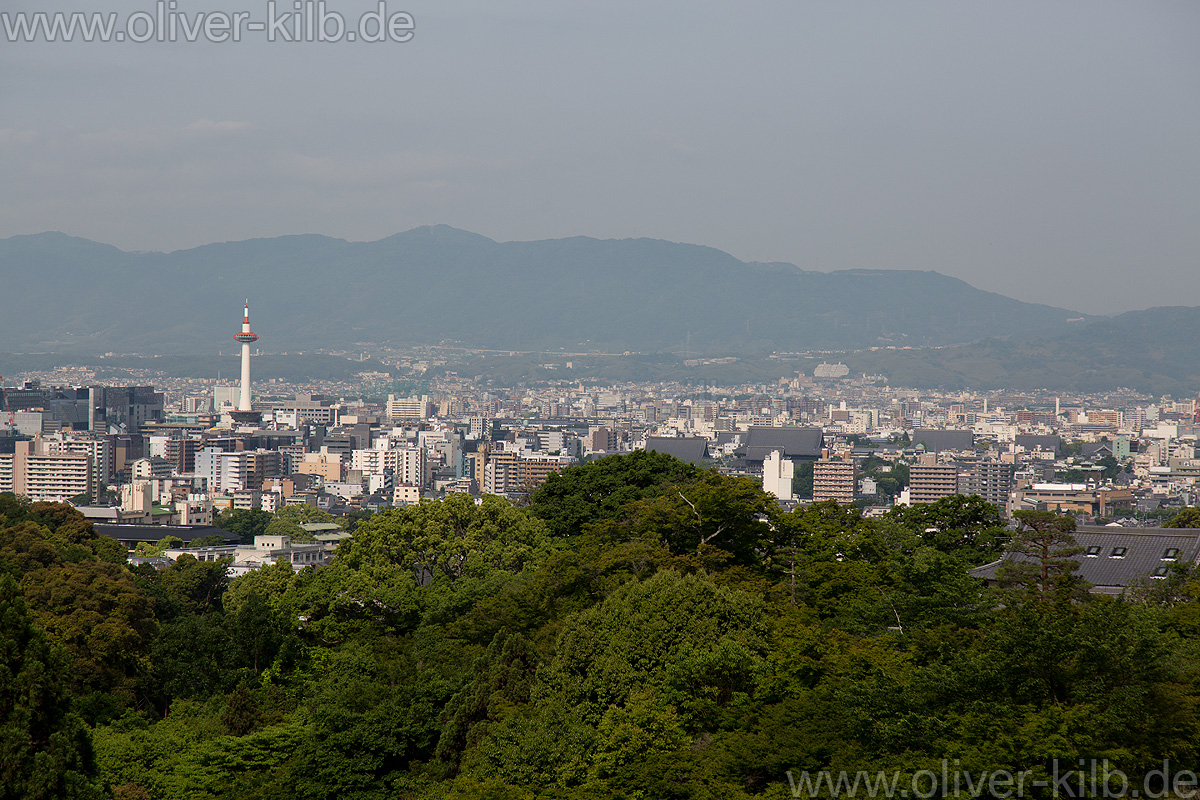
<point>1187,518</point>
<point>245,522</point>
<point>959,524</point>
<point>45,750</point>
<point>600,489</point>
<point>147,550</point>
<point>710,510</point>
<point>100,615</point>
<point>286,522</point>
<point>445,540</point>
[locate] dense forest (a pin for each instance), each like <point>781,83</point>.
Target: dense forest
<point>637,629</point>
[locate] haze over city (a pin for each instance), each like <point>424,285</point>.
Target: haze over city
<point>1043,151</point>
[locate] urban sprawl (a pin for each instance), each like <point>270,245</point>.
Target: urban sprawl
<point>146,461</point>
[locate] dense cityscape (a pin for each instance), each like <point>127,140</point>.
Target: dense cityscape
<point>175,455</point>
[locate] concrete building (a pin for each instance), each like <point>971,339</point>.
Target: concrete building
<point>33,472</point>
<point>265,550</point>
<point>834,480</point>
<point>777,476</point>
<point>148,468</point>
<point>928,483</point>
<point>405,465</point>
<point>410,408</point>
<point>181,453</point>
<point>991,480</point>
<point>246,499</point>
<point>602,440</point>
<point>327,465</point>
<point>510,473</point>
<point>1072,498</point>
<point>406,494</point>
<point>224,472</point>
<point>307,409</point>
<point>98,448</point>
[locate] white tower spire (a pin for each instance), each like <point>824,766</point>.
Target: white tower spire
<point>245,337</point>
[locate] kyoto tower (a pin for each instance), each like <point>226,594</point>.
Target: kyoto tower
<point>244,413</point>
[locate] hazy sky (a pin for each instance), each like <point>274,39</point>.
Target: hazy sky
<point>1049,151</point>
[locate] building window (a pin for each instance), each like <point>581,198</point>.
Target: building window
<point>1118,552</point>
<point>1170,554</point>
<point>1093,551</point>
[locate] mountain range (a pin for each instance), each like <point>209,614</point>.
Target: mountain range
<point>440,285</point>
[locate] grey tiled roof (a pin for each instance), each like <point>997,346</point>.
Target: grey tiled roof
<point>692,448</point>
<point>938,440</point>
<point>1103,565</point>
<point>794,442</point>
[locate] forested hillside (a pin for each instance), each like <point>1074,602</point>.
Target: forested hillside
<point>639,629</point>
<point>438,284</point>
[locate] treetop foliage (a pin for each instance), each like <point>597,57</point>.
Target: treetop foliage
<point>642,629</point>
<point>600,490</point>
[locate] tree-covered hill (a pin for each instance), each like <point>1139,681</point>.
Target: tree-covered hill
<point>436,284</point>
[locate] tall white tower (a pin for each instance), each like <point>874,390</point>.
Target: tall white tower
<point>244,411</point>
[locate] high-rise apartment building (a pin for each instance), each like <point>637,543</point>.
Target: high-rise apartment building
<point>928,483</point>
<point>225,472</point>
<point>411,408</point>
<point>406,465</point>
<point>991,480</point>
<point>33,472</point>
<point>834,480</point>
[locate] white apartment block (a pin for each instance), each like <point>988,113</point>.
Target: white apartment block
<point>100,451</point>
<point>412,467</point>
<point>39,475</point>
<point>225,472</point>
<point>6,472</point>
<point>408,408</point>
<point>408,464</point>
<point>373,461</point>
<point>150,468</point>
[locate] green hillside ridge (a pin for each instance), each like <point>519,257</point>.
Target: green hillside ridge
<point>1147,351</point>
<point>439,284</point>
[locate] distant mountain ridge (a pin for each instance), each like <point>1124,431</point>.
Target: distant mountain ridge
<point>440,284</point>
<point>1151,351</point>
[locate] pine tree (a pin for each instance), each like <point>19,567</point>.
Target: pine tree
<point>1045,568</point>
